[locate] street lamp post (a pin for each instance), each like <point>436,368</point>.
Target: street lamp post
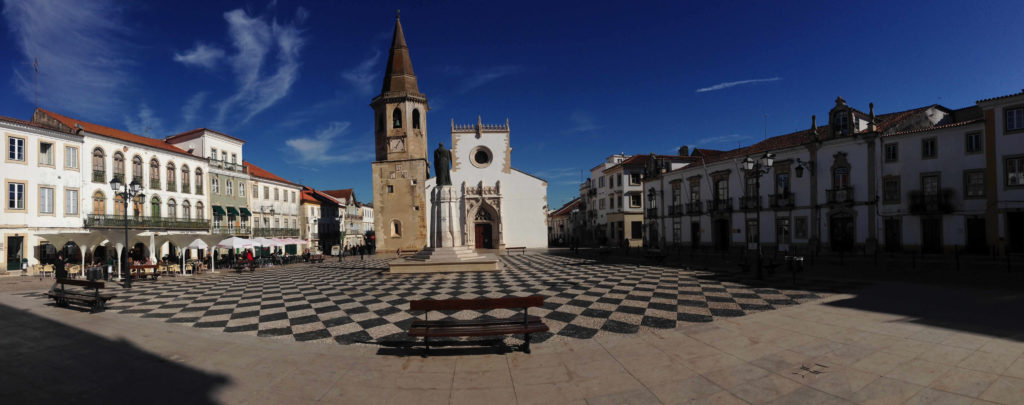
<point>130,192</point>
<point>758,168</point>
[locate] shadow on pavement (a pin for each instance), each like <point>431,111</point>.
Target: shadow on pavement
<point>990,312</point>
<point>49,362</point>
<point>443,348</point>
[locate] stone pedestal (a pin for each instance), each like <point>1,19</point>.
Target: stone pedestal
<point>449,252</point>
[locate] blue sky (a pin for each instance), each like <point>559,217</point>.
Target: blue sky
<point>577,80</point>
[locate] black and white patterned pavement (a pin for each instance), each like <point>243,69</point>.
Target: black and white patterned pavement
<point>358,301</point>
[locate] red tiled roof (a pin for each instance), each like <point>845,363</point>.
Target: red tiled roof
<point>641,160</point>
<point>950,125</point>
<point>34,124</point>
<point>567,208</point>
<point>114,133</point>
<point>256,171</point>
<point>187,133</point>
<point>887,121</point>
<point>706,152</point>
<point>1000,97</point>
<point>345,194</point>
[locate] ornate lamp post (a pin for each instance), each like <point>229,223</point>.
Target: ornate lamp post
<point>130,192</point>
<point>756,169</point>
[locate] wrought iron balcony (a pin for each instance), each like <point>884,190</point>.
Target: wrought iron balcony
<point>782,200</point>
<point>230,230</point>
<point>185,188</point>
<point>292,232</point>
<point>840,195</point>
<point>750,202</point>
<point>940,203</point>
<point>199,189</point>
<point>720,205</point>
<point>140,222</point>
<point>172,186</point>
<point>99,176</point>
<point>675,210</point>
<point>694,207</point>
<point>235,167</point>
<point>138,179</point>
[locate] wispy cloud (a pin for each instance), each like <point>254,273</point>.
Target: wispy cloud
<point>560,173</point>
<point>190,111</point>
<point>728,140</point>
<point>202,55</point>
<point>363,76</point>
<point>80,47</point>
<point>727,85</point>
<point>259,42</point>
<point>317,148</point>
<point>144,123</point>
<point>484,76</point>
<point>582,122</point>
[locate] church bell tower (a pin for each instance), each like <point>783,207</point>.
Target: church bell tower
<point>400,168</point>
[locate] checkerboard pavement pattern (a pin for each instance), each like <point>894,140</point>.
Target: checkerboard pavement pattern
<point>358,301</point>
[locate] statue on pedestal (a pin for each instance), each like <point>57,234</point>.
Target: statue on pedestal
<point>442,165</point>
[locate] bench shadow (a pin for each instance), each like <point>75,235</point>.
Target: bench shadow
<point>445,348</point>
<point>989,312</point>
<point>50,362</point>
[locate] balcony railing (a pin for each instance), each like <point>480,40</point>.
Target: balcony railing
<point>651,213</point>
<point>118,221</point>
<point>138,179</point>
<point>694,207</point>
<point>840,195</point>
<point>782,200</point>
<point>99,176</point>
<point>720,205</point>
<point>220,164</point>
<point>199,189</point>
<point>230,230</point>
<point>293,232</point>
<point>185,188</point>
<point>750,202</point>
<point>172,186</point>
<point>940,203</point>
<point>675,210</point>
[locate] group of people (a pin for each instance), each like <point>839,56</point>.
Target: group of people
<point>360,250</point>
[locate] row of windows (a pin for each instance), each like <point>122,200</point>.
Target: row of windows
<point>277,193</point>
<point>229,188</point>
<point>99,207</point>
<point>17,199</point>
<point>17,149</point>
<point>974,186</point>
<point>223,156</point>
<point>634,180</point>
<point>99,172</point>
<point>973,143</point>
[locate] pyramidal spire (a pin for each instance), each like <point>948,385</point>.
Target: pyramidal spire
<point>399,77</point>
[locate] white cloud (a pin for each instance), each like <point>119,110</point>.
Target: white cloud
<point>80,49</point>
<point>255,39</point>
<point>727,85</point>
<point>582,122</point>
<point>145,123</point>
<point>723,140</point>
<point>202,55</point>
<point>190,111</point>
<point>560,173</point>
<point>364,75</point>
<point>317,148</point>
<point>483,76</point>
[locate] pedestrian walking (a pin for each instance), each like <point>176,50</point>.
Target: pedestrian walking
<point>362,251</point>
<point>58,266</point>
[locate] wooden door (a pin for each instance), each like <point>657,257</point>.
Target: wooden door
<point>479,236</point>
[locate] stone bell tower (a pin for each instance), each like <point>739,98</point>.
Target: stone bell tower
<point>400,169</point>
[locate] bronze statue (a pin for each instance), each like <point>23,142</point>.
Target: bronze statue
<point>442,165</point>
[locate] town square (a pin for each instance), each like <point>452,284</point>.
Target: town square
<point>650,203</point>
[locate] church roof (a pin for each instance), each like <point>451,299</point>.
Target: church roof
<point>399,79</point>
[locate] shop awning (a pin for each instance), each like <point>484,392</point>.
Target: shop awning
<point>218,210</point>
<point>245,212</point>
<point>232,211</point>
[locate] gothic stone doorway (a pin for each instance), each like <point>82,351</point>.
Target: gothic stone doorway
<point>482,235</point>
<point>485,228</point>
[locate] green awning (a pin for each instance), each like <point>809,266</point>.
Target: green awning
<point>245,212</point>
<point>218,210</point>
<point>232,211</point>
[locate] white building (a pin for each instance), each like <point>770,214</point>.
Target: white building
<point>366,210</point>
<point>274,202</point>
<point>42,177</point>
<point>501,206</point>
<point>228,179</point>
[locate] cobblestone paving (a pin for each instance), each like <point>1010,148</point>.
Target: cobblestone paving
<point>358,301</point>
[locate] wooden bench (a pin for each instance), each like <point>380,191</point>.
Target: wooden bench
<point>516,325</point>
<point>520,249</point>
<point>407,252</point>
<point>95,300</point>
<point>316,258</point>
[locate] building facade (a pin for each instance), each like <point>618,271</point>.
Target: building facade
<point>228,178</point>
<point>275,203</point>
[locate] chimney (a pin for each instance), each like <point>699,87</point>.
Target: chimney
<point>684,150</point>
<point>871,123</point>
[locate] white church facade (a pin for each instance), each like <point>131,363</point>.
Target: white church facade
<point>498,205</point>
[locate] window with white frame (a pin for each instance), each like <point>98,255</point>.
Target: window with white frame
<point>1015,171</point>
<point>46,200</point>
<point>15,148</point>
<point>71,202</point>
<point>722,189</point>
<point>974,184</point>
<point>1014,119</point>
<point>70,157</point>
<point>15,196</point>
<point>46,154</point>
<point>634,200</point>
<point>972,143</point>
<point>241,189</point>
<point>782,230</point>
<point>229,188</point>
<point>215,185</point>
<point>634,179</point>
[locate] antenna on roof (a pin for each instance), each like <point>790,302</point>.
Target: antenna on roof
<point>35,66</point>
